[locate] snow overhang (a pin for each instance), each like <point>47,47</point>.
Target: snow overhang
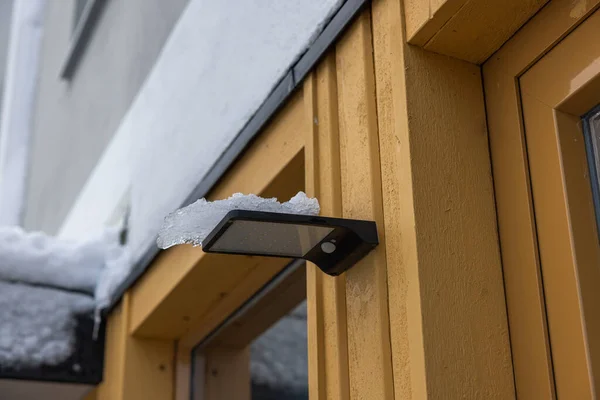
<point>49,330</point>
<point>282,92</point>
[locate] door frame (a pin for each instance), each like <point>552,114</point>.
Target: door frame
<point>515,155</point>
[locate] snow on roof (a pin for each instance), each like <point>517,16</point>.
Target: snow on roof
<point>45,283</point>
<point>37,324</point>
<point>191,224</point>
<point>40,259</point>
<point>118,265</point>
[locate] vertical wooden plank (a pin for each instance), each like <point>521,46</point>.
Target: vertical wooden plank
<point>314,280</point>
<point>183,372</point>
<point>449,329</point>
<point>404,292</point>
<point>328,348</point>
<point>112,384</point>
<point>584,234</point>
<point>572,369</point>
<point>315,333</point>
<point>330,193</point>
<point>530,342</point>
<point>369,353</point>
<point>148,369</point>
<point>227,374</point>
<point>136,368</point>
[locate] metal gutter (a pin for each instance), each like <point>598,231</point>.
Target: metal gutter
<point>274,102</point>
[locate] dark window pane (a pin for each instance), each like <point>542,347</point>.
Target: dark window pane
<point>279,359</point>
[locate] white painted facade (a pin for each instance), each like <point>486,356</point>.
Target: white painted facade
<point>219,64</point>
<point>18,105</point>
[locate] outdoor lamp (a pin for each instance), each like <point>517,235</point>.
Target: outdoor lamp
<point>333,244</point>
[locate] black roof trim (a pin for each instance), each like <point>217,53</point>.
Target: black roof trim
<point>282,92</point>
<point>84,366</point>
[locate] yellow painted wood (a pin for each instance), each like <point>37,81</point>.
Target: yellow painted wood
<point>135,368</point>
<point>149,369</point>
<point>210,275</point>
<point>314,280</point>
<point>244,330</point>
<point>479,28</point>
<point>183,371</point>
<point>523,282</point>
<point>403,278</point>
<point>518,237</point>
<point>165,300</point>
<point>425,18</point>
<point>424,179</point>
<point>317,373</point>
<point>369,353</point>
<point>468,30</point>
<point>535,39</point>
<point>265,312</point>
<point>287,183</point>
<point>584,234</point>
<point>327,330</point>
<point>112,383</point>
<point>448,319</point>
<point>225,306</point>
<point>227,374</point>
<point>91,395</point>
<point>564,213</point>
<point>559,282</point>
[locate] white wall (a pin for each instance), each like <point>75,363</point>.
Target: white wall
<point>219,64</point>
<point>75,119</point>
<point>18,101</point>
<point>5,17</point>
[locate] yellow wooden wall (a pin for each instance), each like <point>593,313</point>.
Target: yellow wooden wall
<point>388,132</point>
<point>135,368</point>
<point>403,131</point>
<point>470,30</point>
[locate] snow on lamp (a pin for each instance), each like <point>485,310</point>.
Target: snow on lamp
<point>250,225</point>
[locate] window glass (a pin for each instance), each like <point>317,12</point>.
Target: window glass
<point>591,125</point>
<point>278,359</point>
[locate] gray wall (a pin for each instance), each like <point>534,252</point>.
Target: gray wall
<point>5,17</point>
<point>75,120</point>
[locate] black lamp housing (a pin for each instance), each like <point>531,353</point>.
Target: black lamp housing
<point>333,244</point>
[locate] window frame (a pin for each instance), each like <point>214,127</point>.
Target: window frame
<point>231,340</point>
<point>516,87</point>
